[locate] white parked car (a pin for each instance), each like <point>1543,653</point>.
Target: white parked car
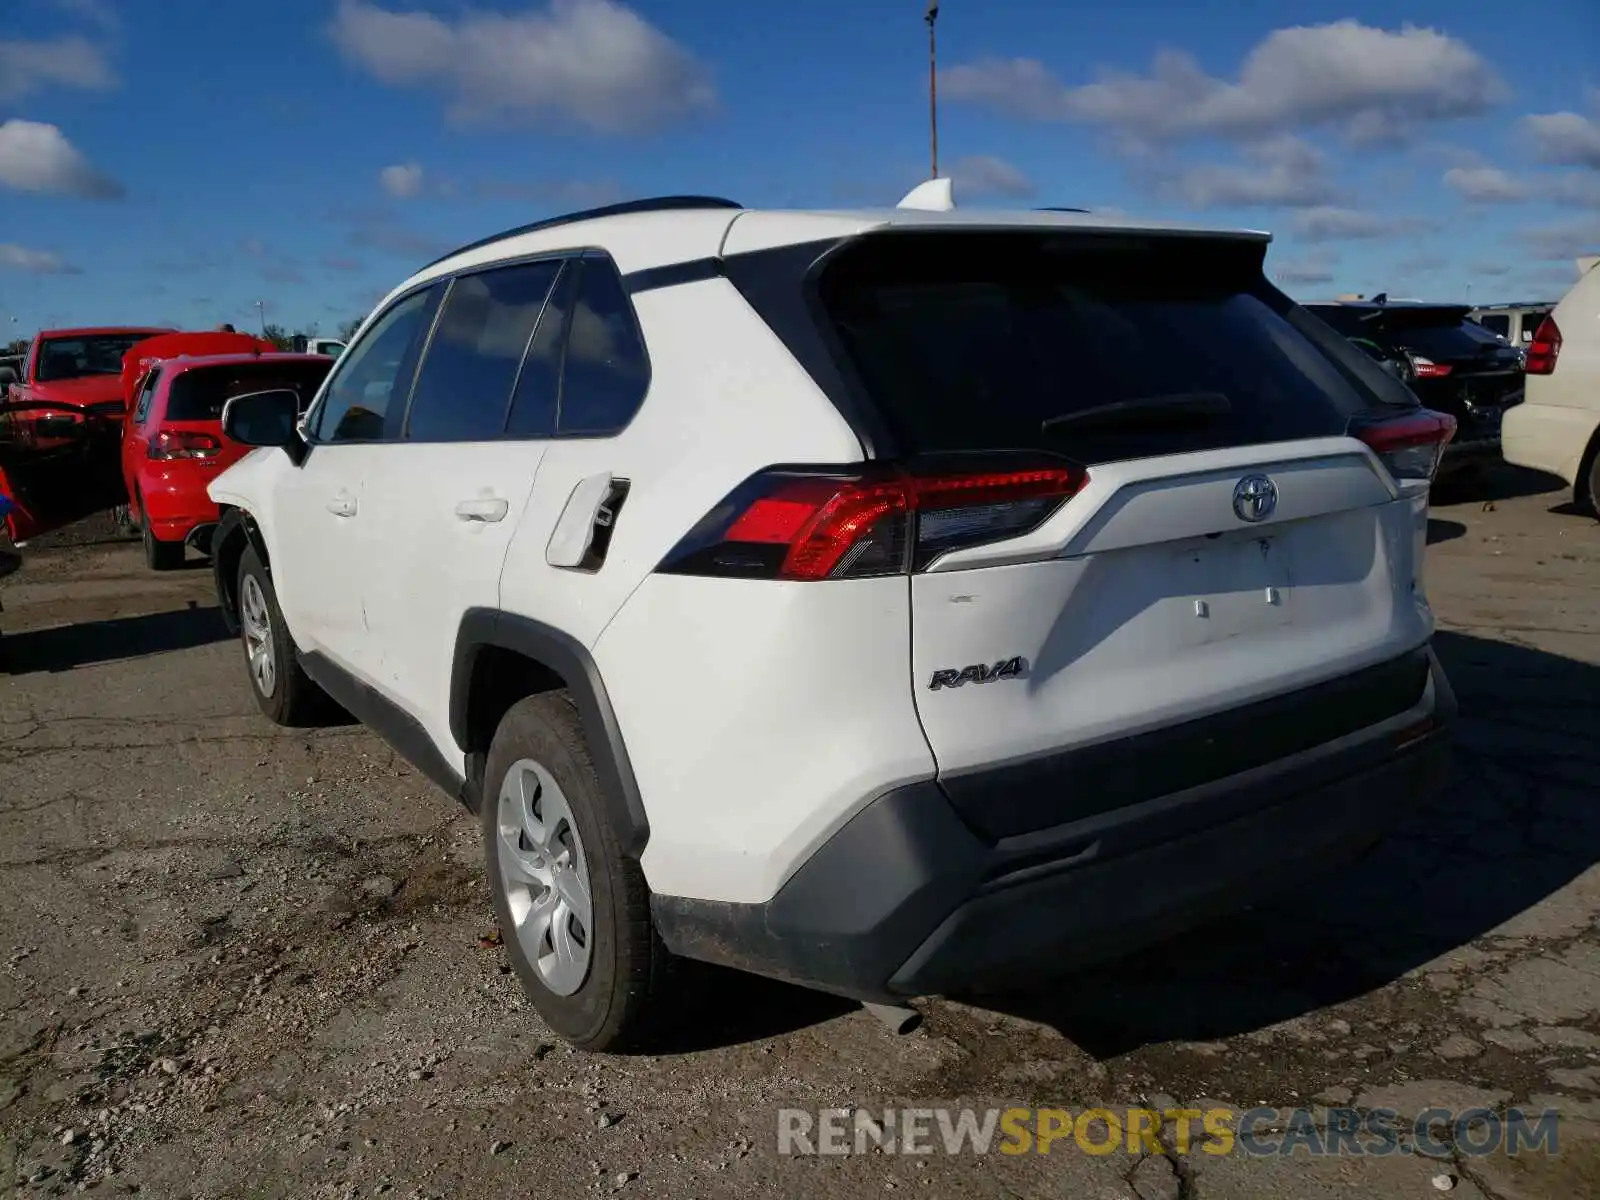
<point>1556,428</point>
<point>894,602</point>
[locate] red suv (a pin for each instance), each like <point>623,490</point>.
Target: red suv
<point>173,445</point>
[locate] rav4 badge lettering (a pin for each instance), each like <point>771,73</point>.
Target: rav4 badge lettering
<point>1008,668</point>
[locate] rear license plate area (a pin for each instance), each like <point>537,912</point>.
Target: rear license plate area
<point>1234,587</point>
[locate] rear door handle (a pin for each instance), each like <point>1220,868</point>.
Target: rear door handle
<point>484,508</point>
<point>342,505</point>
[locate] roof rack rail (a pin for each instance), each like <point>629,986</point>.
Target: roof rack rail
<point>1059,208</point>
<point>652,204</point>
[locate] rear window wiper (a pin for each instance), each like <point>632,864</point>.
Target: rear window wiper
<point>1175,409</point>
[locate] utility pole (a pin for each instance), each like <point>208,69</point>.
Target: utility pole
<point>261,309</point>
<point>933,91</point>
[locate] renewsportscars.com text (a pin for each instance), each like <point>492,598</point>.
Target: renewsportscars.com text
<point>1433,1132</point>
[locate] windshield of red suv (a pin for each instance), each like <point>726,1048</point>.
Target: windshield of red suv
<point>92,354</point>
<point>200,392</point>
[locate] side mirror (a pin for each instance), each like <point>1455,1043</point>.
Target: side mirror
<point>265,419</point>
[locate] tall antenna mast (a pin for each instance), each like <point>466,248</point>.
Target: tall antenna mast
<point>933,92</point>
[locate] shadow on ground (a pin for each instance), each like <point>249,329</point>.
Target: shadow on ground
<point>1501,481</point>
<point>1517,824</point>
<point>70,646</point>
<point>1444,531</point>
<point>719,1007</point>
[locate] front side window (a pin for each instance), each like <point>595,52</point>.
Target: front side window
<point>368,389</point>
<point>464,386</point>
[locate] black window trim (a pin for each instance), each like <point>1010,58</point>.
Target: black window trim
<point>567,257</point>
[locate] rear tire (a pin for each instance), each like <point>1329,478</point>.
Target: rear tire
<point>158,555</point>
<point>1587,492</point>
<point>574,911</point>
<point>283,691</point>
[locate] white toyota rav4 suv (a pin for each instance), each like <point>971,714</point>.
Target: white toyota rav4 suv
<point>896,602</point>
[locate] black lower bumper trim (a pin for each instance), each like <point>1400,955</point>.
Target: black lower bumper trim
<point>907,899</point>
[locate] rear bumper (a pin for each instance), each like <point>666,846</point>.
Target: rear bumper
<point>909,899</point>
<point>1549,438</point>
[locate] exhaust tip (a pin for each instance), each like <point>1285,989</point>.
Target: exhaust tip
<point>899,1019</point>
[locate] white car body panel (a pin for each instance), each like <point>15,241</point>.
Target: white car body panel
<point>1554,428</point>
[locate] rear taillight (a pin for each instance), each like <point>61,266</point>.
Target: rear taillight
<point>1544,349</point>
<point>1426,368</point>
<point>178,443</point>
<point>809,523</point>
<point>1410,445</point>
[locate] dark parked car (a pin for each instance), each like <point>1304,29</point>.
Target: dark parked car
<point>1453,364</point>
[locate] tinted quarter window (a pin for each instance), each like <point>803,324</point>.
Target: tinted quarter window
<point>533,409</point>
<point>1496,323</point>
<point>464,386</point>
<point>146,395</point>
<point>605,372</point>
<point>199,393</point>
<point>374,376</point>
<point>975,342</point>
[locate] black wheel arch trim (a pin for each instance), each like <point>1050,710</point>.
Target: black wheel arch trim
<point>233,522</point>
<point>388,720</point>
<point>561,653</point>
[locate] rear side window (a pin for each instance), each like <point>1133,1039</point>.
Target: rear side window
<point>977,342</point>
<point>199,393</point>
<point>533,408</point>
<point>1496,323</point>
<point>464,387</point>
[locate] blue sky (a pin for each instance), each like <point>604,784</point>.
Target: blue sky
<point>312,153</point>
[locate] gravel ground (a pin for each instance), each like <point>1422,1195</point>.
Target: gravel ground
<point>238,961</point>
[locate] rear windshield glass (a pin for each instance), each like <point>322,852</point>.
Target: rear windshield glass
<point>94,354</point>
<point>1461,340</point>
<point>199,393</point>
<point>988,342</point>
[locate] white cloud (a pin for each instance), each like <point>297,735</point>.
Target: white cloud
<point>1326,223</point>
<point>1281,171</point>
<point>1363,81</point>
<point>1564,138</point>
<point>1566,239</point>
<point>1486,185</point>
<point>75,62</point>
<point>594,64</point>
<point>35,157</point>
<point>401,181</point>
<point>1316,267</point>
<point>985,175</point>
<point>38,262</point>
<point>1491,185</point>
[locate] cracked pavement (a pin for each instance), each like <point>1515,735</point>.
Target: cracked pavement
<point>237,961</point>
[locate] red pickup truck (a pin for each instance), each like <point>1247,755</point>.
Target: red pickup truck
<point>61,427</point>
